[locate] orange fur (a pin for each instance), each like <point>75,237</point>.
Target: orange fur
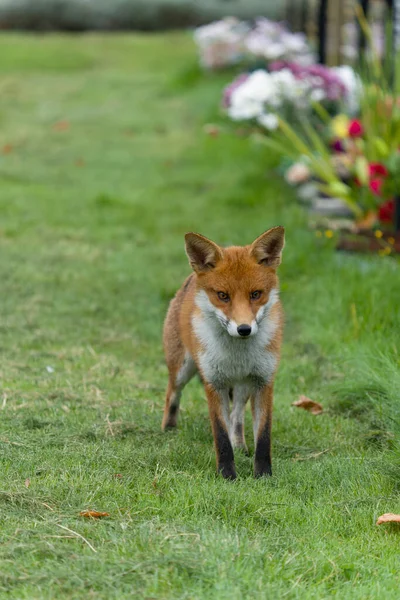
<point>225,323</point>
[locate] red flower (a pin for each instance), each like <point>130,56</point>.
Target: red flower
<point>355,128</point>
<point>375,185</point>
<point>377,169</point>
<point>386,212</point>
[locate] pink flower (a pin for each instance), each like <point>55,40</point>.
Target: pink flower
<point>355,128</point>
<point>377,169</point>
<point>375,185</point>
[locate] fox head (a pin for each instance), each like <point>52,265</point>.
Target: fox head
<point>237,285</point>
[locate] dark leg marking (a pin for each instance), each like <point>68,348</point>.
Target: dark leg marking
<point>171,408</point>
<point>226,465</point>
<point>170,421</point>
<point>262,462</point>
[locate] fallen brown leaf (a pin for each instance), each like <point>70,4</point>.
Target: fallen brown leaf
<point>93,514</point>
<point>27,482</point>
<point>211,130</point>
<point>388,518</point>
<point>311,406</point>
<point>7,148</point>
<point>61,126</point>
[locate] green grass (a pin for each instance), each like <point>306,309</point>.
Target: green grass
<point>92,219</point>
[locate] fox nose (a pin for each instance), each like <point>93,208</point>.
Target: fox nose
<point>244,330</point>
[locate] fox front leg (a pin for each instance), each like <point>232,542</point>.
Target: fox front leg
<point>261,405</point>
<point>218,406</point>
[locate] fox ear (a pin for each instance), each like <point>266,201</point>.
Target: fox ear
<point>267,249</point>
<point>203,253</point>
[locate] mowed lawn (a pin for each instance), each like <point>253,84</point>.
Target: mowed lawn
<point>104,165</point>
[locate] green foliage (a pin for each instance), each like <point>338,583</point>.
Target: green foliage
<point>308,144</point>
<point>78,15</point>
<point>92,218</point>
<point>392,184</point>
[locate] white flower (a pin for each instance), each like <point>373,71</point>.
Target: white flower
<point>269,121</point>
<point>273,41</point>
<point>243,110</point>
<point>305,60</point>
<point>262,94</point>
<point>225,41</point>
<point>353,87</point>
<point>295,42</point>
<point>317,95</point>
<point>274,51</point>
<point>284,77</point>
<point>228,30</point>
<point>248,99</point>
<point>259,85</point>
<point>221,43</point>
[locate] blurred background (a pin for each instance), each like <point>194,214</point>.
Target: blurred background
<point>81,15</point>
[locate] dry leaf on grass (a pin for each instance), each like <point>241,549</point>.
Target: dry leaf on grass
<point>27,482</point>
<point>311,406</point>
<point>7,148</point>
<point>388,518</point>
<point>211,130</point>
<point>93,514</point>
<point>61,126</point>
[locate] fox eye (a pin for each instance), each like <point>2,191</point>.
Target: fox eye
<point>223,296</point>
<point>256,294</point>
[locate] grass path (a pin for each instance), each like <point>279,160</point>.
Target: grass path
<point>104,166</point>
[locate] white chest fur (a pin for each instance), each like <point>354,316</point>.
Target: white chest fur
<point>225,360</point>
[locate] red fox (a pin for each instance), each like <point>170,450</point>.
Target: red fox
<point>225,323</point>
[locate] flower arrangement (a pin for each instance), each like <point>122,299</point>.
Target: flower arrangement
<point>337,129</point>
<point>271,41</point>
<point>230,41</point>
<point>289,90</point>
<point>333,86</point>
<point>350,158</point>
<point>221,43</point>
